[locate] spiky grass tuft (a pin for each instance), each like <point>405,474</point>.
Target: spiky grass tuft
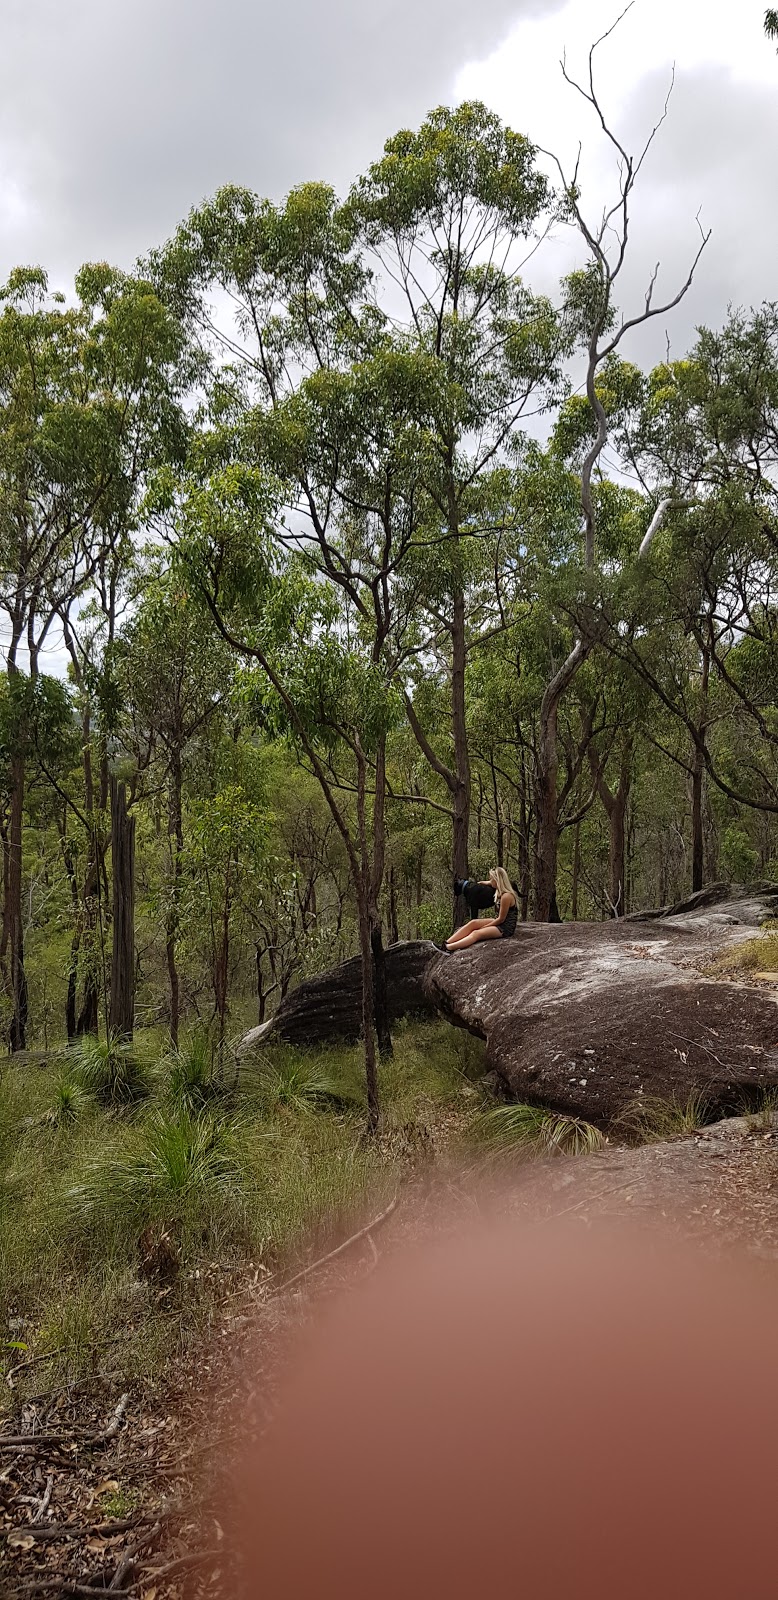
<point>290,1083</point>
<point>71,1101</point>
<point>192,1083</point>
<point>110,1070</point>
<point>537,1130</point>
<point>180,1167</point>
<point>649,1120</point>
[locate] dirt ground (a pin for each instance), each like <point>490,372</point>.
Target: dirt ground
<point>158,1459</point>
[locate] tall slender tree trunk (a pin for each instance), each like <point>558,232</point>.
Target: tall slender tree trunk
<point>13,908</point>
<point>394,932</point>
<point>176,842</point>
<point>546,800</point>
<point>419,889</point>
<point>380,989</point>
<point>368,1015</point>
<point>698,780</point>
<point>615,804</point>
<point>617,853</point>
<point>576,871</point>
<point>546,819</point>
<point>363,886</point>
<point>122,1010</point>
<point>524,844</point>
<point>462,791</point>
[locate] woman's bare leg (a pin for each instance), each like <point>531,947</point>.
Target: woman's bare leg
<point>487,930</point>
<point>461,933</point>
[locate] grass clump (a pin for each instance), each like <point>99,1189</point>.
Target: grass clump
<point>537,1130</point>
<point>649,1119</point>
<point>192,1082</point>
<point>292,1083</point>
<point>110,1069</point>
<point>180,1166</point>
<point>753,955</point>
<point>71,1101</point>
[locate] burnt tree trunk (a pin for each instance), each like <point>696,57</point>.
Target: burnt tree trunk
<point>380,997</point>
<point>122,1009</point>
<point>176,841</point>
<point>462,789</point>
<point>13,932</point>
<point>698,778</point>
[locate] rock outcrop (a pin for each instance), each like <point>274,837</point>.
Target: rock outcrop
<point>587,1018</point>
<point>328,1007</point>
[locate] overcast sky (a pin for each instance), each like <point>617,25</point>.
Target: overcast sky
<point>116,117</point>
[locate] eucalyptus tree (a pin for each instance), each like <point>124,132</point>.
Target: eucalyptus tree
<point>173,672</point>
<point>447,215</point>
<point>702,436</point>
<point>89,397</point>
<point>410,294</point>
<point>307,679</point>
<point>591,302</point>
<point>51,479</point>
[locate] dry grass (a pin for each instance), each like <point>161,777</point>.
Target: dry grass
<point>537,1130</point>
<point>648,1120</point>
<point>752,956</point>
<point>278,1166</point>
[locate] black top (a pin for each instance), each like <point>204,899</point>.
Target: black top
<point>508,927</point>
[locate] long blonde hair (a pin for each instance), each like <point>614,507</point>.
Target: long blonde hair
<point>499,877</point>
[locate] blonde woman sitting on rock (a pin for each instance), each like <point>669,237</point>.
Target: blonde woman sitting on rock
<point>501,926</point>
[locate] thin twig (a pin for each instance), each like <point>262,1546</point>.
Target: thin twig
<point>115,1420</point>
<point>370,1227</point>
<point>43,1504</point>
<point>182,1562</point>
<point>128,1561</point>
<point>46,1355</point>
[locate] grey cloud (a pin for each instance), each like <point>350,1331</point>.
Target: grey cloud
<point>713,155</point>
<point>117,117</point>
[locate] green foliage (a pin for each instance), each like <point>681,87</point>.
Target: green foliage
<point>192,1081</point>
<point>517,1127</point>
<point>110,1069</point>
<point>289,1082</point>
<point>739,860</point>
<point>71,1100</point>
<point>177,1163</point>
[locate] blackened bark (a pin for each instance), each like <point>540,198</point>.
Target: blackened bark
<point>380,1000</point>
<point>17,1037</point>
<point>121,1019</point>
<point>698,779</point>
<point>176,842</point>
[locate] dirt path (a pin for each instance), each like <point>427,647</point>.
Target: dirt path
<point>165,1453</point>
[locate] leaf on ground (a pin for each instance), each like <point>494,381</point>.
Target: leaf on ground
<point>20,1541</point>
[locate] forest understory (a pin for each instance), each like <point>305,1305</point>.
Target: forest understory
<point>143,1363</point>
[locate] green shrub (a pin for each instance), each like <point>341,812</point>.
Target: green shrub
<point>109,1069</point>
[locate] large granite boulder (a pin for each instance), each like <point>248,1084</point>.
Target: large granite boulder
<point>587,1018</point>
<point>328,1007</point>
